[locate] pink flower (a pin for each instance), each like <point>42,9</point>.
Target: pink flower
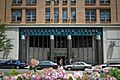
<point>34,62</point>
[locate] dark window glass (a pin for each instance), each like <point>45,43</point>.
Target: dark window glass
<point>16,1</point>
<point>47,1</point>
<point>31,1</point>
<point>64,1</point>
<point>105,15</point>
<point>73,15</point>
<point>39,41</point>
<point>17,15</point>
<point>73,1</point>
<point>31,44</point>
<point>104,1</point>
<point>56,15</point>
<point>31,15</point>
<point>81,41</point>
<point>64,15</point>
<point>60,42</point>
<point>90,15</point>
<point>47,15</point>
<point>90,1</point>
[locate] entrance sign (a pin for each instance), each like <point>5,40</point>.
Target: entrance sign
<point>61,31</point>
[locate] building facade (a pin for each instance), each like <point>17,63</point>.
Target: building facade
<point>83,30</point>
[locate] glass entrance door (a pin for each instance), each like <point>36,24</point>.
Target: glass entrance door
<point>59,58</point>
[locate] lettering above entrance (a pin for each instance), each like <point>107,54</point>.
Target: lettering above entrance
<point>60,31</point>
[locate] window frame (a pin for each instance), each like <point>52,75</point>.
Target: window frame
<point>91,14</point>
<point>31,1</point>
<point>60,42</point>
<point>48,2</point>
<point>64,15</point>
<point>18,13</point>
<point>105,14</point>
<point>16,1</point>
<point>47,17</point>
<point>39,41</point>
<point>90,2</point>
<point>104,2</point>
<point>64,2</point>
<point>73,2</point>
<point>73,15</point>
<point>56,20</point>
<point>32,18</point>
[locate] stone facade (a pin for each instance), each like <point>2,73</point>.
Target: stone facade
<point>110,29</point>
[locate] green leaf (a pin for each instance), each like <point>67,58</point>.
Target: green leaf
<point>14,72</point>
<point>7,73</point>
<point>19,78</point>
<point>70,78</point>
<point>118,77</point>
<point>102,75</point>
<point>78,78</point>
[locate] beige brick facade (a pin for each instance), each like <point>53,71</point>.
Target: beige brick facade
<point>6,6</point>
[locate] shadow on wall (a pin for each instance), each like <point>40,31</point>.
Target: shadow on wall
<point>110,50</point>
<point>6,54</point>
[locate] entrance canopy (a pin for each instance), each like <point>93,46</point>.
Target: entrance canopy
<point>60,31</point>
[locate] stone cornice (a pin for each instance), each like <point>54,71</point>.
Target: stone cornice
<point>63,25</point>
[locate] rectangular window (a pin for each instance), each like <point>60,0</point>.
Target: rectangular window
<point>47,1</point>
<point>104,1</point>
<point>30,1</point>
<point>105,15</point>
<point>64,15</point>
<point>56,15</point>
<point>17,15</point>
<point>39,41</point>
<point>30,15</point>
<point>16,1</point>
<point>60,42</point>
<point>90,15</point>
<point>64,2</point>
<point>90,1</point>
<point>73,15</point>
<point>81,41</point>
<point>47,15</point>
<point>73,2</point>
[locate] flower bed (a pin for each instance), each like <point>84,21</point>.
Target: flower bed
<point>60,74</point>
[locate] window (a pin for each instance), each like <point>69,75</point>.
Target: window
<point>104,1</point>
<point>39,41</point>
<point>64,1</point>
<point>81,41</point>
<point>90,15</point>
<point>16,1</point>
<point>73,15</point>
<point>31,1</point>
<point>30,15</point>
<point>105,15</point>
<point>64,15</point>
<point>17,15</point>
<point>90,1</point>
<point>56,15</point>
<point>47,15</point>
<point>73,2</point>
<point>60,41</point>
<point>47,1</point>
